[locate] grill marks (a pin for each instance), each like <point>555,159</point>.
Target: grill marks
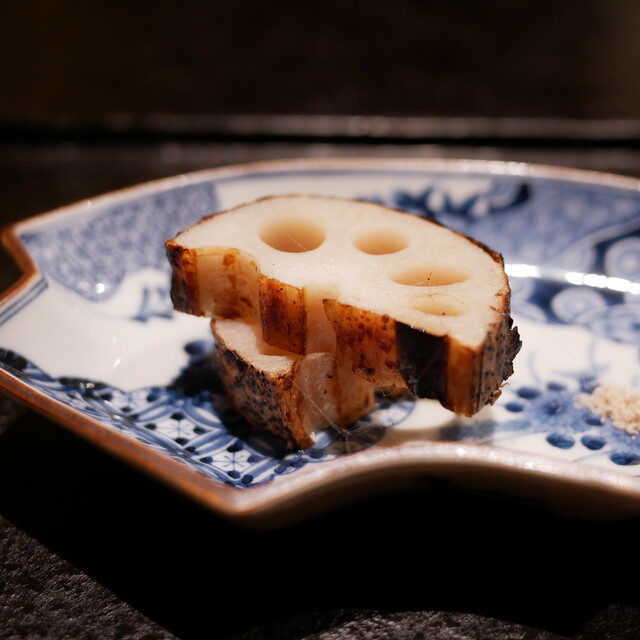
<point>284,315</point>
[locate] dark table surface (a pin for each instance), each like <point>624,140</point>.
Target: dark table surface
<point>98,96</point>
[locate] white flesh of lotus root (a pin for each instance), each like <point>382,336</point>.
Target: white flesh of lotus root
<point>404,301</point>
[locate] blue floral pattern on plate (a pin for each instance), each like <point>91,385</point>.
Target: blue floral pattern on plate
<point>189,420</point>
<point>93,256</point>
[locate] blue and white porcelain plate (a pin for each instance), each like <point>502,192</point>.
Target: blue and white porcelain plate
<point>88,336</point>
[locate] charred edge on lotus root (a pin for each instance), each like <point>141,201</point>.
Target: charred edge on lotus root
<point>511,346</point>
<point>423,361</point>
<point>184,293</point>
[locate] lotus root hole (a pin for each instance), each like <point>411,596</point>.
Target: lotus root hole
<point>440,305</point>
<point>293,235</point>
<point>381,242</point>
<point>430,276</point>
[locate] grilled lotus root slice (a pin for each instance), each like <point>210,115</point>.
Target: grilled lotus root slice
<point>289,395</point>
<point>404,301</point>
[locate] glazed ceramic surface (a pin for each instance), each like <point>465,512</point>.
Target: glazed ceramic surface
<point>89,337</point>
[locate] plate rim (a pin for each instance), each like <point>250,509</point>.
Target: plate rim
<point>287,499</point>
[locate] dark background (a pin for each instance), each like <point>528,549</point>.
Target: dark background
<point>100,95</point>
<point>463,58</point>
